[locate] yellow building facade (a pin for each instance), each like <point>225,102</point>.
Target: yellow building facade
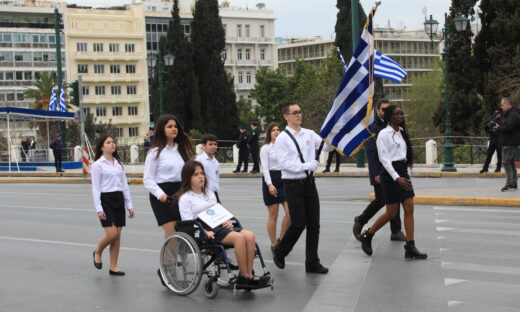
<point>107,47</point>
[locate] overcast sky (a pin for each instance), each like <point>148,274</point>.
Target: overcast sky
<point>309,18</point>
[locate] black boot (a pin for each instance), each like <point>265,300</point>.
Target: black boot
<point>326,170</point>
<point>366,242</point>
<point>411,252</point>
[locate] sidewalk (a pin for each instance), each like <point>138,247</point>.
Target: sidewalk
<point>471,195</point>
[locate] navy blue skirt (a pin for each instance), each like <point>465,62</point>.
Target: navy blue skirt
<point>393,192</point>
<point>276,179</point>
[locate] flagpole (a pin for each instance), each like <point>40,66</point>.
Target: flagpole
<point>354,7</point>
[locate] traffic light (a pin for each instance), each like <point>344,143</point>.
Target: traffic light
<point>74,93</point>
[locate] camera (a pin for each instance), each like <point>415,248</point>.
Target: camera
<point>494,120</point>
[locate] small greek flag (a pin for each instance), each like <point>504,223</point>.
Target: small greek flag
<point>62,107</point>
<point>387,68</point>
<point>346,124</point>
<point>52,102</point>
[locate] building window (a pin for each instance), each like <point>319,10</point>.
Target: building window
<point>85,90</point>
<point>248,77</point>
<point>118,132</point>
<point>262,54</point>
<point>98,47</point>
<point>239,54</point>
<point>101,111</point>
<point>81,47</point>
<point>248,54</point>
<point>99,68</point>
<point>224,54</point>
<point>130,47</point>
<point>240,77</point>
<point>82,68</point>
<point>133,131</point>
<point>132,110</point>
<point>115,90</point>
<point>86,111</point>
<point>117,111</point>
<point>131,89</point>
<point>187,29</point>
<point>100,90</point>
<point>246,30</point>
<point>225,29</point>
<point>262,31</point>
<point>113,47</point>
<point>115,69</point>
<point>130,69</point>
<point>239,30</point>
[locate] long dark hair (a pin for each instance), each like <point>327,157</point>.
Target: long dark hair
<point>389,111</point>
<point>187,172</point>
<point>98,152</point>
<point>186,148</point>
<point>267,139</point>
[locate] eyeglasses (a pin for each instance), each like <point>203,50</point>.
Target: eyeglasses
<point>296,113</point>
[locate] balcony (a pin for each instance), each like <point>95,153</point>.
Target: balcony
<point>107,56</point>
<point>113,99</point>
<point>95,78</point>
<point>244,86</point>
<point>15,83</point>
<point>252,40</point>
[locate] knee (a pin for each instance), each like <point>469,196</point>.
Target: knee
<point>249,236</point>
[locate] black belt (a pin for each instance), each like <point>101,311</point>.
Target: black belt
<point>297,181</point>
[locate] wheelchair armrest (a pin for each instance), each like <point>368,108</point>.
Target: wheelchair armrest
<point>190,227</point>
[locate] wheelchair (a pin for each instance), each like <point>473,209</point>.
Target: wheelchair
<point>188,254</point>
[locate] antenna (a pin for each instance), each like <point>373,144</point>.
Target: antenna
<point>425,13</point>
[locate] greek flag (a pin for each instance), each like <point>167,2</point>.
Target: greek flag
<point>62,107</point>
<point>52,102</point>
<point>387,68</point>
<point>346,124</point>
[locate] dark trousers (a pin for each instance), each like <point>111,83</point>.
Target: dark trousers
<point>493,146</point>
<point>329,160</point>
<point>242,158</point>
<point>255,155</point>
<point>304,208</point>
<point>375,206</point>
<point>57,159</point>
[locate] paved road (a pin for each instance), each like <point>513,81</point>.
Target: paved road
<point>48,232</point>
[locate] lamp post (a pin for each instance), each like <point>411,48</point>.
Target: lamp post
<point>161,61</point>
<point>430,27</point>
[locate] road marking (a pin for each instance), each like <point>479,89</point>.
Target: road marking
<point>492,210</point>
<point>478,231</point>
<point>453,281</point>
<point>502,269</point>
<point>441,221</point>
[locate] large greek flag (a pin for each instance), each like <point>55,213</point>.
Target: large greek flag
<point>62,107</point>
<point>346,124</point>
<point>385,67</point>
<point>52,102</point>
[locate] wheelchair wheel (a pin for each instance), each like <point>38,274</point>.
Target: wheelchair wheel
<point>211,288</point>
<point>181,263</point>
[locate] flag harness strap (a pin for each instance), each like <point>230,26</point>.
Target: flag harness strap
<point>299,151</point>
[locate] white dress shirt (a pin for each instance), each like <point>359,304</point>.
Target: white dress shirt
<point>166,168</point>
<point>108,177</point>
<point>191,204</point>
<point>211,169</point>
<point>391,147</point>
<point>288,157</point>
<point>269,161</point>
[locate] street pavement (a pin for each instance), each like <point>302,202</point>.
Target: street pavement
<point>48,232</point>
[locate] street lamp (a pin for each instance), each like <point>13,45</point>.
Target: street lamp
<point>430,27</point>
<point>167,60</point>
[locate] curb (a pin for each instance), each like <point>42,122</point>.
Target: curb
<point>462,201</point>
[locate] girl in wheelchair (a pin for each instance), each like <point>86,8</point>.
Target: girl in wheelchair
<point>194,197</point>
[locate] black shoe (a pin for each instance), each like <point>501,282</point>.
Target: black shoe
<point>317,268</point>
<point>236,171</point>
<point>483,170</point>
<point>509,188</point>
<point>366,242</point>
<point>254,171</point>
<point>411,252</point>
<point>160,277</point>
<point>497,170</point>
<point>337,170</point>
<point>357,228</point>
<point>398,236</point>
<point>326,170</point>
<point>244,171</point>
<point>118,273</point>
<point>278,260</point>
<point>97,265</point>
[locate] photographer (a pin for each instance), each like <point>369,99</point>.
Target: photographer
<point>509,140</point>
<point>494,144</point>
